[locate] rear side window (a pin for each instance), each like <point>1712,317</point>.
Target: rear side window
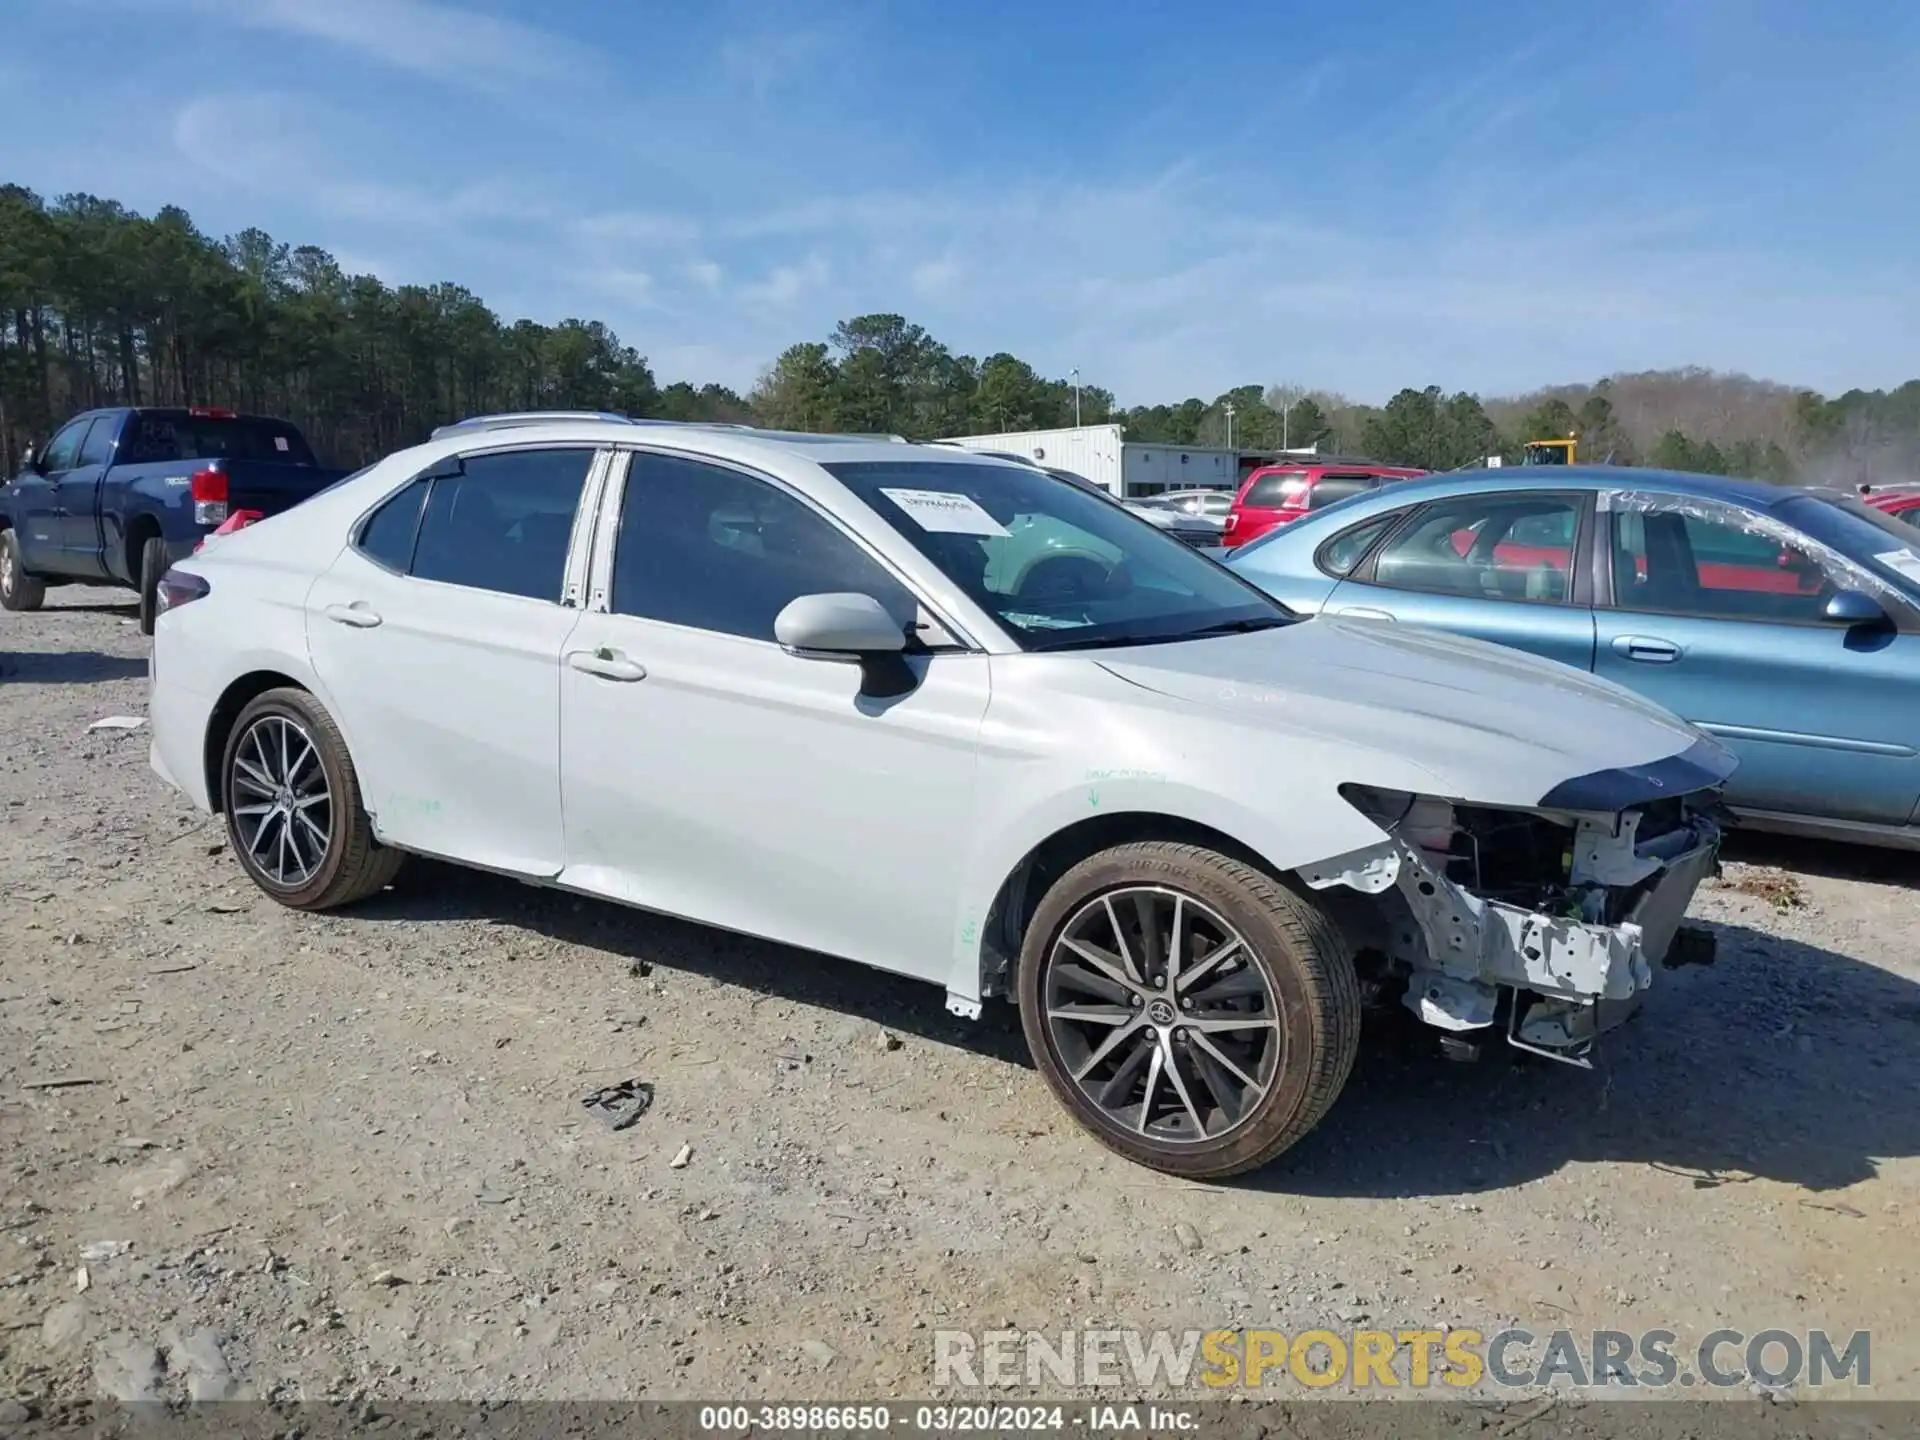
<point>504,525</point>
<point>389,532</point>
<point>1270,492</point>
<point>1475,546</point>
<point>158,437</point>
<point>1332,488</point>
<point>98,447</point>
<point>1347,549</point>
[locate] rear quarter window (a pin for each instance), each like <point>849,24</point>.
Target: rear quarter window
<point>162,437</point>
<point>1270,492</point>
<point>1330,489</point>
<point>1341,554</point>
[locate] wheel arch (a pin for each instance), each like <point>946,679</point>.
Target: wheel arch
<point>140,528</point>
<point>226,710</point>
<point>991,947</point>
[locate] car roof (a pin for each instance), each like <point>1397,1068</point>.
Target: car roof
<point>739,442</point>
<point>1732,489</point>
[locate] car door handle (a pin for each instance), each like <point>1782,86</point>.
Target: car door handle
<point>1364,612</point>
<point>1646,649</point>
<point>357,615</point>
<point>607,664</point>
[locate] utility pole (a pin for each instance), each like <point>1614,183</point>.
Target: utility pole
<point>1076,397</point>
<point>1228,407</point>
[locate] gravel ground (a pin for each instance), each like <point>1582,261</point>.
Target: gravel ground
<point>346,1156</point>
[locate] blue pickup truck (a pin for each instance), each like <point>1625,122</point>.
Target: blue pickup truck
<point>118,495</point>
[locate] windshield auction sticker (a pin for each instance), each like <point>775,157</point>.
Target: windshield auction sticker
<point>945,511</point>
<point>1905,561</point>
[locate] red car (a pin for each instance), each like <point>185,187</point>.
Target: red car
<point>1902,503</point>
<point>1276,494</point>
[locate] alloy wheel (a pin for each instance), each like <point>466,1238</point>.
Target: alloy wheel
<point>1161,1015</point>
<point>282,804</point>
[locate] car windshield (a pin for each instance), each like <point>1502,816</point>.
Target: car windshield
<point>1057,567</point>
<point>1867,536</point>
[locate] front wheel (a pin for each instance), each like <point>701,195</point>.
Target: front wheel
<point>18,590</point>
<point>292,801</point>
<point>1195,1015</point>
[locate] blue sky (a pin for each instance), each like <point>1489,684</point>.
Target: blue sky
<point>1175,199</point>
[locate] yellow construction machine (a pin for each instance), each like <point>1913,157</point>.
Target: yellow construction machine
<point>1552,452</point>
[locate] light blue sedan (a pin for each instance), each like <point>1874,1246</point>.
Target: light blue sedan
<point>1784,621</point>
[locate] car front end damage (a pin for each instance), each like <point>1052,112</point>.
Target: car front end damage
<point>1544,924</point>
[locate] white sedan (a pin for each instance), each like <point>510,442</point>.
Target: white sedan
<point>942,715</point>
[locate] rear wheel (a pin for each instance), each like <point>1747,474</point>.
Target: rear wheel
<point>1192,1013</point>
<point>292,801</point>
<point>18,590</point>
<point>153,564</point>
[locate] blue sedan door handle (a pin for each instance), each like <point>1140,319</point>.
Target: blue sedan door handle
<point>1646,649</point>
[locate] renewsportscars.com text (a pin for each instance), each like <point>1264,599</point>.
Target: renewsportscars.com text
<point>1389,1359</point>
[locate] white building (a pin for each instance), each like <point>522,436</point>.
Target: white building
<point>1127,468</point>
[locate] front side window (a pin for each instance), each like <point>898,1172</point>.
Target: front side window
<point>63,451</point>
<point>1058,568</point>
<point>712,549</point>
<point>1502,546</point>
<point>97,448</point>
<point>504,524</point>
<point>1671,560</point>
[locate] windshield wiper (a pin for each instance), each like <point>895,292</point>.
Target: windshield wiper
<point>1240,627</point>
<point>1224,627</point>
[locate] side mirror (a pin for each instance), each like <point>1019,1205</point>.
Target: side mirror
<point>31,460</point>
<point>849,626</point>
<point>839,624</point>
<point>1851,607</point>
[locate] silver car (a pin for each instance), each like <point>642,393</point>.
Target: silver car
<point>946,716</point>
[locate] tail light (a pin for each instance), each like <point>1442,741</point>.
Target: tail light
<point>177,587</point>
<point>1233,522</point>
<point>209,496</point>
<point>209,412</point>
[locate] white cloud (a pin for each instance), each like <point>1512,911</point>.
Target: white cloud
<point>271,144</point>
<point>788,283</point>
<point>421,36</point>
<point>766,61</point>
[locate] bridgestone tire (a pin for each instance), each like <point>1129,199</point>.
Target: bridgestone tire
<point>1302,956</point>
<point>355,865</point>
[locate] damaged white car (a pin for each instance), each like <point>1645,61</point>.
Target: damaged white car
<point>949,717</point>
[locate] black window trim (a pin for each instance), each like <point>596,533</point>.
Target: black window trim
<point>1905,617</point>
<point>607,533</point>
<point>440,470</point>
<point>1580,593</point>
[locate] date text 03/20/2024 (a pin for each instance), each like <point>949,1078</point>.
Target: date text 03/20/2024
<point>945,1419</point>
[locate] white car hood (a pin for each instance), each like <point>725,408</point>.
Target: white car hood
<point>1490,724</point>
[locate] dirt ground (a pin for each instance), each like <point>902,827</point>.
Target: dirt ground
<point>346,1156</point>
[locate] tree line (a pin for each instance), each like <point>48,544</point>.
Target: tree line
<point>100,305</point>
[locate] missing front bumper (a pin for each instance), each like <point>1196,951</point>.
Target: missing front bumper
<point>1559,981</point>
